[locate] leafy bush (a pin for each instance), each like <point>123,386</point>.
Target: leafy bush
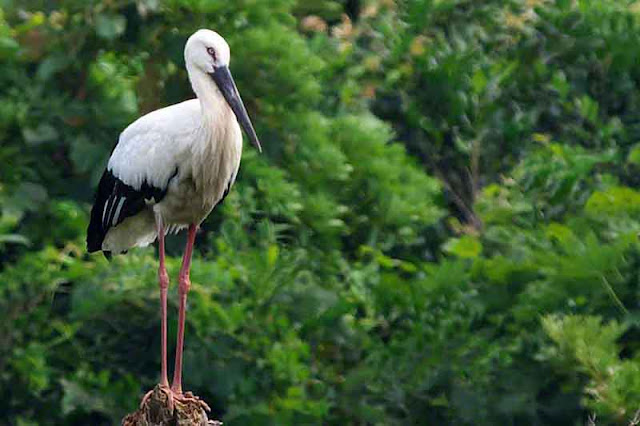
<point>438,176</point>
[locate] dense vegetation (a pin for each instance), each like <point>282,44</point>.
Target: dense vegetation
<point>442,230</point>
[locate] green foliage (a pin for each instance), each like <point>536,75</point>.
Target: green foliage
<point>589,347</point>
<point>437,175</point>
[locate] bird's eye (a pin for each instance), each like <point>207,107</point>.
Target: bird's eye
<point>211,52</point>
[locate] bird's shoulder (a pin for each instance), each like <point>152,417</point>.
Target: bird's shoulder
<point>168,122</point>
<point>152,147</point>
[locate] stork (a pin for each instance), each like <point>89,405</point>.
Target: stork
<point>169,170</point>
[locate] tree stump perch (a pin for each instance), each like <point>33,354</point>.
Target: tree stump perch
<point>156,411</point>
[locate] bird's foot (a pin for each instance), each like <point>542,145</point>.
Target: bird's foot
<point>156,392</point>
<point>189,397</point>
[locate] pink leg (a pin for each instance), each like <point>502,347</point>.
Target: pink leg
<point>163,278</point>
<point>183,288</point>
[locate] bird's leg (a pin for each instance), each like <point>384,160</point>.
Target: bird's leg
<point>183,288</point>
<point>163,280</point>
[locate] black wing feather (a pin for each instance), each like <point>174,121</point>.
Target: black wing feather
<point>114,202</point>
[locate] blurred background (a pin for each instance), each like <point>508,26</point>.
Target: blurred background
<point>442,229</point>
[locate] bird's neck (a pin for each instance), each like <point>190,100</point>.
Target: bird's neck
<point>217,131</point>
<point>213,105</point>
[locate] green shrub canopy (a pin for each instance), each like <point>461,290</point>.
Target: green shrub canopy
<point>443,228</point>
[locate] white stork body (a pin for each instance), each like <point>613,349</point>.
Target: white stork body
<point>192,149</point>
<point>169,170</point>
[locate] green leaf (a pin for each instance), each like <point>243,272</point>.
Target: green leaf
<point>619,200</point>
<point>8,47</point>
<point>87,156</point>
<point>479,81</point>
<point>466,247</point>
<point>634,155</point>
<point>51,65</point>
<point>14,239</point>
<point>40,134</point>
<point>110,26</point>
<point>28,196</point>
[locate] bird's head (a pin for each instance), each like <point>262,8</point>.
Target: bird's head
<point>209,53</point>
<point>207,50</point>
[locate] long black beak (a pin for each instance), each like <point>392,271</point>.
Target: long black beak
<point>223,79</point>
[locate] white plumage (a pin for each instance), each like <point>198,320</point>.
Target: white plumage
<point>151,147</point>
